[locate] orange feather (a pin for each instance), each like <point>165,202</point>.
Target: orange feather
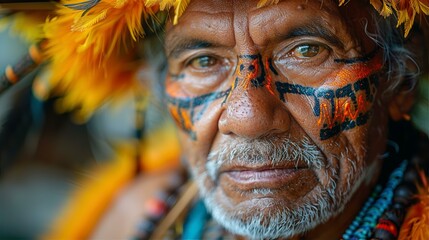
<point>416,223</point>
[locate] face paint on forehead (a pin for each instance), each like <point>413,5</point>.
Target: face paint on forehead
<point>340,106</point>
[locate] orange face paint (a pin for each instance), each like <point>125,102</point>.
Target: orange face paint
<point>345,110</point>
<point>355,69</point>
<point>268,78</point>
<point>252,71</point>
<point>345,100</point>
<point>187,110</point>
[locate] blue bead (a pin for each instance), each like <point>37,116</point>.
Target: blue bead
<point>379,200</point>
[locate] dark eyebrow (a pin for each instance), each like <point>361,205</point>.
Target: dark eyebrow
<point>315,31</point>
<point>183,45</point>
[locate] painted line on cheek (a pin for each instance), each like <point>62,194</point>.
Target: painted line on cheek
<point>192,102</point>
<point>184,111</point>
<point>345,107</point>
<point>176,77</point>
<point>357,68</point>
<point>338,109</point>
<point>326,133</point>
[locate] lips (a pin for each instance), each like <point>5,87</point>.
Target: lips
<point>269,178</point>
<point>268,175</point>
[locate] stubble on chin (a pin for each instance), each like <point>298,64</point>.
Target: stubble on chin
<point>267,219</point>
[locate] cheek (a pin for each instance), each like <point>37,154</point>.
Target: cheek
<point>336,109</point>
<point>196,149</point>
<point>188,111</point>
<point>344,100</point>
<point>341,122</point>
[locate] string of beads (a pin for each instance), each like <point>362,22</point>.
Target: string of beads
<point>382,214</point>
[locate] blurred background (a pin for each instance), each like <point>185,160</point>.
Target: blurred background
<point>53,168</point>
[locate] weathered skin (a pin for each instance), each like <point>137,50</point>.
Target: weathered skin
<point>292,70</point>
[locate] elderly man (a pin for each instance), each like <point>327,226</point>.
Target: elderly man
<point>282,107</point>
<point>283,111</point>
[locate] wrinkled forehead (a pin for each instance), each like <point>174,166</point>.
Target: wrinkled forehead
<point>255,6</point>
<point>222,20</point>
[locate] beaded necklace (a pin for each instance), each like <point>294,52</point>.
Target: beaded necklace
<point>367,220</point>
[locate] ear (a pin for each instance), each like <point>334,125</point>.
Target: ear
<point>403,99</point>
<point>401,104</point>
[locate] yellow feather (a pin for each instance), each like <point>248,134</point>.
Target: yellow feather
<point>88,203</point>
<point>161,150</point>
<point>179,8</point>
<point>88,21</point>
<point>386,10</point>
<point>409,23</point>
<point>421,6</point>
<point>165,4</point>
<point>425,9</point>
<point>98,50</point>
<point>263,3</point>
<point>120,3</point>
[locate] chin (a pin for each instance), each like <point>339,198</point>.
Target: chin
<point>270,217</point>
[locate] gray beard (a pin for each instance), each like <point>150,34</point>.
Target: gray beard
<point>273,220</point>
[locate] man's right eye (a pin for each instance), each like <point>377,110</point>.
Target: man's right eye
<point>308,50</point>
<point>202,62</point>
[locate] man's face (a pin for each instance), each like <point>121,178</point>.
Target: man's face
<point>277,108</point>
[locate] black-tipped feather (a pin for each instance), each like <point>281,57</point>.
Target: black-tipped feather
<point>83,6</point>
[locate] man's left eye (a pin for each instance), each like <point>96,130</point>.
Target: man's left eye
<point>307,50</point>
<point>203,62</point>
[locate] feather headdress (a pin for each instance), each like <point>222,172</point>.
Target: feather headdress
<point>92,51</point>
<point>416,223</point>
<point>405,10</point>
<point>92,44</point>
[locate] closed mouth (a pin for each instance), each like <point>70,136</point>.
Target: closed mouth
<point>270,177</point>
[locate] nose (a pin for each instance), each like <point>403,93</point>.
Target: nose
<point>253,110</point>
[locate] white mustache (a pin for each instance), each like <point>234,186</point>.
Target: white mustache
<point>275,150</point>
